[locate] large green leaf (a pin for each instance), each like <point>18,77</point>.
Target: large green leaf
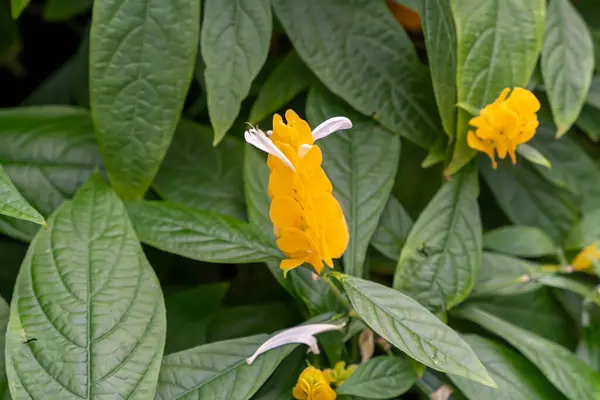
<point>520,241</point>
<point>392,230</point>
<point>58,10</point>
<point>413,329</point>
<point>13,204</point>
<point>199,235</point>
<point>218,371</point>
<point>567,62</point>
<point>440,261</point>
<point>196,174</point>
<point>235,41</point>
<point>380,378</point>
<point>528,198</point>
<point>189,313</point>
<point>314,294</point>
<point>361,164</point>
<point>361,53</point>
<point>585,232</point>
<point>4,313</point>
<point>48,152</point>
<point>88,295</point>
<point>504,275</point>
<point>569,374</point>
<point>572,167</point>
<point>499,42</point>
<point>142,54</point>
<point>286,81</point>
<point>537,311</point>
<point>440,39</point>
<point>516,377</point>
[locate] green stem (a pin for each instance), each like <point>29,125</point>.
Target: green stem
<point>337,293</point>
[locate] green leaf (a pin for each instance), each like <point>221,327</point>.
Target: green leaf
<point>567,62</point>
<point>588,348</point>
<point>537,311</point>
<point>17,7</point>
<point>235,42</point>
<point>4,313</point>
<point>489,35</point>
<point>48,153</point>
<point>198,175</point>
<point>142,55</point>
<point>440,261</point>
<point>572,167</point>
<point>380,378</point>
<point>199,235</point>
<point>503,275</point>
<point>528,198</point>
<point>361,163</point>
<point>533,155</point>
<point>218,371</point>
<point>361,53</point>
<point>587,291</point>
<point>589,122</point>
<point>473,111</point>
<point>286,81</point>
<point>413,329</point>
<point>392,230</point>
<point>60,10</point>
<point>88,295</point>
<point>13,204</point>
<point>585,232</point>
<point>520,241</point>
<point>569,374</point>
<point>189,313</point>
<point>516,377</point>
<point>440,40</point>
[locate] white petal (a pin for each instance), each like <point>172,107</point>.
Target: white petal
<point>304,148</point>
<point>260,140</point>
<point>331,125</point>
<point>300,334</point>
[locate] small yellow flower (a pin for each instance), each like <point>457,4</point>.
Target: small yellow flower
<point>313,385</point>
<point>506,123</point>
<point>585,259</point>
<point>308,221</point>
<point>340,373</point>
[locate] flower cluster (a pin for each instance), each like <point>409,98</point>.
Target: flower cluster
<point>586,259</point>
<point>313,384</point>
<point>506,123</point>
<point>308,221</point>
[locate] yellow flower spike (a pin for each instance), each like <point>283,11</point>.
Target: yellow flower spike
<point>584,261</point>
<point>509,121</point>
<point>313,385</point>
<point>308,221</point>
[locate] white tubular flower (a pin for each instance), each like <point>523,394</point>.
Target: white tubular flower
<point>334,124</point>
<point>300,334</point>
<point>260,140</point>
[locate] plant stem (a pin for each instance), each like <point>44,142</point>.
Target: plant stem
<point>337,293</point>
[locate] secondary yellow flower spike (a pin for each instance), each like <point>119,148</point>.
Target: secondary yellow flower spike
<point>308,221</point>
<point>506,123</point>
<point>585,259</point>
<point>313,385</point>
<point>340,373</point>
